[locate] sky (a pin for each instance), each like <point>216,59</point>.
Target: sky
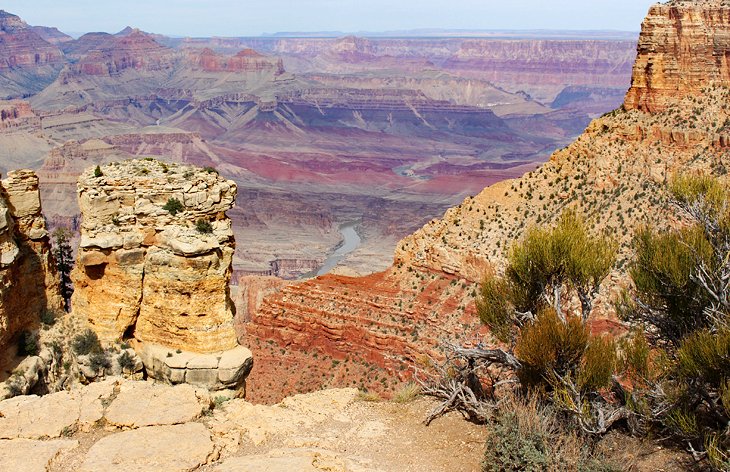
<point>254,17</point>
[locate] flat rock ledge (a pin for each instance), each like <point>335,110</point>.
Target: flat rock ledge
<point>224,370</point>
<point>160,448</point>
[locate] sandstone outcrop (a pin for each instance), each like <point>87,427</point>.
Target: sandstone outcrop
<point>31,455</point>
<point>154,266</point>
<point>28,283</point>
<point>683,48</point>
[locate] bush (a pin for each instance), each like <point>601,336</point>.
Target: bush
<point>548,346</point>
<point>635,352</point>
<point>210,170</point>
<point>48,318</point>
<point>203,226</point>
<point>527,437</point>
<point>126,362</point>
<point>494,308</point>
<point>598,364</point>
<point>27,344</point>
<point>662,273</point>
<point>407,394</point>
<point>99,360</point>
<point>98,172</point>
<point>86,343</point>
<point>173,206</point>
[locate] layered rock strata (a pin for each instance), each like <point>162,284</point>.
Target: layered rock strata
<point>684,46</point>
<point>154,261</point>
<point>615,175</point>
<point>20,46</point>
<point>28,282</point>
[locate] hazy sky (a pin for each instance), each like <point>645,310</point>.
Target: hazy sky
<point>253,17</point>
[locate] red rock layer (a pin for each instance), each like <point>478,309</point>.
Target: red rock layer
<point>246,60</point>
<point>335,330</point>
<point>17,114</point>
<point>136,51</point>
<point>683,47</point>
<point>20,46</point>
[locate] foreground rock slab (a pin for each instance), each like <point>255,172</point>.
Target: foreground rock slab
<point>151,404</point>
<point>175,448</point>
<point>32,456</point>
<point>35,417</point>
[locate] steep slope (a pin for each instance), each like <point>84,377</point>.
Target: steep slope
<point>615,174</point>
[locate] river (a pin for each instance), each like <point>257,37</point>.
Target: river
<point>350,241</point>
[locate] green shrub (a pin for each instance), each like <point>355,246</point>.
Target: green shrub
<point>210,170</point>
<point>173,206</point>
<point>27,344</point>
<point>203,226</point>
<point>99,360</point>
<point>525,436</point>
<point>635,352</point>
<point>494,308</point>
<point>598,364</point>
<point>86,343</point>
<point>548,346</point>
<point>126,362</point>
<point>48,318</point>
<point>662,273</point>
<point>98,172</point>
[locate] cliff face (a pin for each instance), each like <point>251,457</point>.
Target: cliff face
<point>28,282</point>
<point>683,47</point>
<point>615,175</point>
<point>136,51</point>
<point>17,115</point>
<point>20,46</point>
<point>246,60</point>
<point>147,273</point>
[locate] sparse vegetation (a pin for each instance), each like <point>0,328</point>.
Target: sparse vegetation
<point>28,344</point>
<point>126,362</point>
<point>48,318</point>
<point>99,360</point>
<point>64,263</point>
<point>407,393</point>
<point>173,206</point>
<point>203,226</point>
<point>86,343</point>
<point>97,172</point>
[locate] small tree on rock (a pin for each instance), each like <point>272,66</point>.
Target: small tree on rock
<point>64,263</point>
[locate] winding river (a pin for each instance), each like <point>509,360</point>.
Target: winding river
<point>350,241</point>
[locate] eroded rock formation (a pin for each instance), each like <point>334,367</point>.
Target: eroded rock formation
<point>20,46</point>
<point>154,267</point>
<point>615,175</point>
<point>28,283</point>
<point>148,272</point>
<point>684,47</point>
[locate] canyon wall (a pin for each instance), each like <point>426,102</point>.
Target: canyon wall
<point>156,275</point>
<point>28,280</point>
<point>338,330</point>
<point>20,46</point>
<point>683,48</point>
